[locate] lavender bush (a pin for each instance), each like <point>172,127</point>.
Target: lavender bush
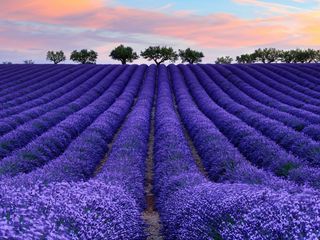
<point>236,151</point>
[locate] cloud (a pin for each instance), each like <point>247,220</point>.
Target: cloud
<point>208,31</point>
<point>31,9</point>
<point>271,6</point>
<point>98,24</point>
<point>166,7</point>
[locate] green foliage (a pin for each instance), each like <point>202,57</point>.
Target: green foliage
<point>267,55</point>
<point>6,62</point>
<point>287,56</point>
<point>224,60</point>
<point>28,62</point>
<point>84,56</point>
<point>294,56</point>
<point>317,58</point>
<point>286,168</point>
<point>123,54</point>
<point>56,57</point>
<point>159,54</point>
<point>245,58</point>
<point>301,56</point>
<point>270,55</point>
<point>190,56</point>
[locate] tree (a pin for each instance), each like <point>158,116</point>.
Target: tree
<point>84,56</point>
<point>190,56</point>
<point>287,56</point>
<point>317,59</point>
<point>159,54</point>
<point>309,55</point>
<point>123,54</point>
<point>28,62</point>
<point>6,62</point>
<point>267,55</point>
<point>56,57</point>
<point>224,60</point>
<point>300,56</point>
<point>245,58</point>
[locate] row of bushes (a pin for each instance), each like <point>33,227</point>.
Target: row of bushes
<point>124,54</point>
<point>160,54</point>
<point>271,55</point>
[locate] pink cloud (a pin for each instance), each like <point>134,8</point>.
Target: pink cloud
<point>212,31</point>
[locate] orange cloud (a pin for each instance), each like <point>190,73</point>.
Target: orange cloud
<point>35,9</point>
<point>223,30</point>
<point>212,31</point>
<point>309,27</point>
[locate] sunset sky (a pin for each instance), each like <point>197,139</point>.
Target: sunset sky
<point>29,28</point>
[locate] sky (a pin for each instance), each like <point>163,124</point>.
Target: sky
<point>30,28</point>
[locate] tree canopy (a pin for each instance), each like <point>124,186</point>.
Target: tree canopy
<point>190,56</point>
<point>300,56</point>
<point>224,60</point>
<point>123,54</point>
<point>159,54</point>
<point>84,56</point>
<point>246,58</point>
<point>56,57</point>
<point>266,55</point>
<point>28,62</point>
<point>270,55</point>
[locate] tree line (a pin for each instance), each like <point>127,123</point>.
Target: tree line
<point>273,55</point>
<point>161,54</point>
<point>125,54</point>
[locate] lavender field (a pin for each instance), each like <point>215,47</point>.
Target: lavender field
<point>170,152</point>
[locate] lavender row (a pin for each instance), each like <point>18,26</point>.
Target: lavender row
<point>239,96</point>
<point>298,76</point>
<point>10,70</point>
<point>249,102</point>
<point>258,149</point>
<point>64,211</point>
<point>47,97</point>
<point>15,75</point>
<point>191,207</point>
<point>27,132</point>
<point>36,79</point>
<point>70,92</point>
<point>240,79</point>
<point>78,163</point>
<point>126,164</point>
<point>174,168</point>
<point>295,142</point>
<point>264,84</point>
<point>79,75</point>
<point>37,90</point>
<point>83,155</point>
<point>311,130</point>
<point>20,75</point>
<point>300,81</point>
<point>54,142</point>
<point>289,85</point>
<point>312,68</point>
<point>273,86</point>
<point>222,161</point>
<point>26,80</point>
<point>13,69</point>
